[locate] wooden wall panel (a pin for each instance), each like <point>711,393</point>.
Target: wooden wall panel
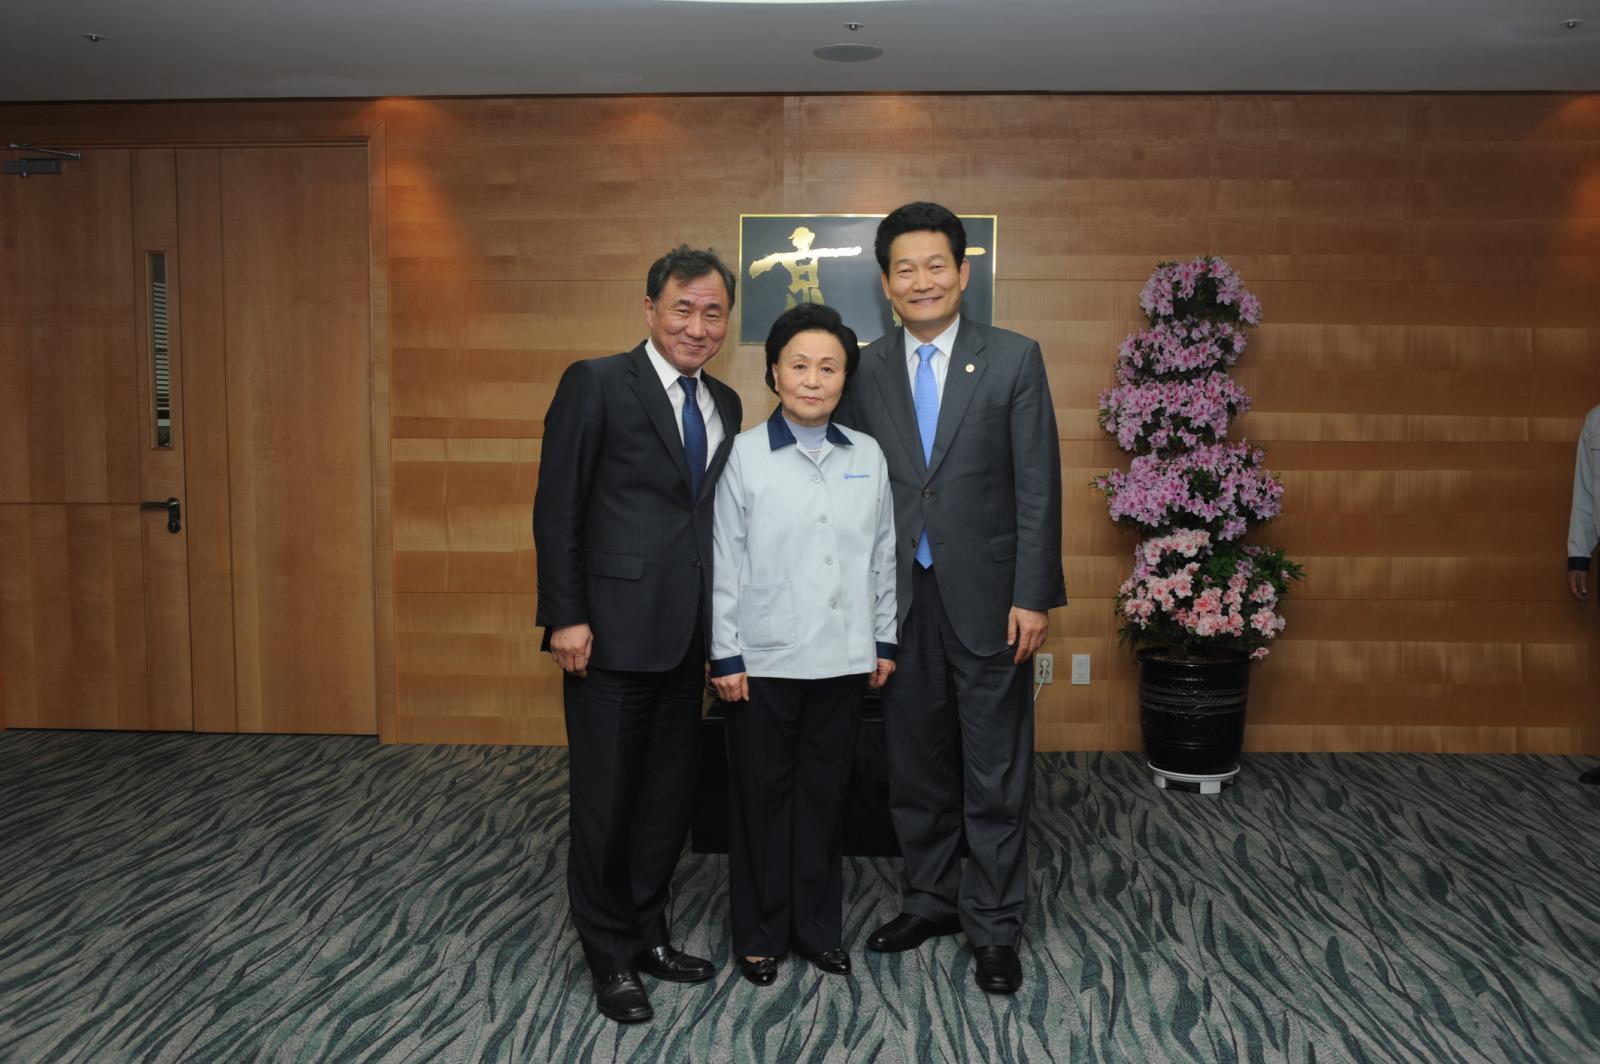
<point>66,337</point>
<point>294,235</point>
<point>72,617</point>
<point>166,574</point>
<point>1432,341</point>
<point>379,430</point>
<point>205,383</point>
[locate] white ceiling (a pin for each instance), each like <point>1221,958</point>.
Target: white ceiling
<point>187,49</point>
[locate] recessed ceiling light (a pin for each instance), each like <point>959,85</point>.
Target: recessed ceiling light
<point>847,53</point>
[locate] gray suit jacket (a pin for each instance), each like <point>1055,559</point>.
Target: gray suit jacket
<point>990,498</point>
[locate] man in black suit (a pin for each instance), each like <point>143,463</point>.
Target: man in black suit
<point>963,413</point>
<point>633,446</point>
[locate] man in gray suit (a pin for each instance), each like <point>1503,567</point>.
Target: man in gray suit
<point>963,413</point>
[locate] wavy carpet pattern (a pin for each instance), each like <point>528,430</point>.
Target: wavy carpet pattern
<point>267,898</point>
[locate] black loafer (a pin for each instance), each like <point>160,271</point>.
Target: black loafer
<point>832,961</point>
<point>621,997</point>
<point>673,965</point>
<point>998,971</point>
<point>1591,776</point>
<point>762,971</point>
<point>908,932</point>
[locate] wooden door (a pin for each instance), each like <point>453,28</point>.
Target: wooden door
<point>94,629</point>
<point>279,392</point>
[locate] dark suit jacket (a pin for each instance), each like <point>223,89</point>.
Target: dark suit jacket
<point>990,497</point>
<point>620,542</point>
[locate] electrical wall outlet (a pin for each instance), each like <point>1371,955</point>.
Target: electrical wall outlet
<point>1080,669</point>
<point>1044,668</point>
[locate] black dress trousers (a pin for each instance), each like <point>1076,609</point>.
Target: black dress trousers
<point>789,754</point>
<point>631,748</point>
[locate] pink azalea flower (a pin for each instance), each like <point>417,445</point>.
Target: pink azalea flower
<point>1195,587</point>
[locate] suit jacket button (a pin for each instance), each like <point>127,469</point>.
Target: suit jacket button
<point>927,493</point>
<point>697,563</point>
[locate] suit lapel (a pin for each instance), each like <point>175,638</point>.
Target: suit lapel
<point>961,380</point>
<point>896,390</point>
<point>720,396</point>
<point>647,386</point>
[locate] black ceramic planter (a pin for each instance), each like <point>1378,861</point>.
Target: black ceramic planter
<point>1192,714</point>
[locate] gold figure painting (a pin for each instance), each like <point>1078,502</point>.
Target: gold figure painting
<point>802,263</point>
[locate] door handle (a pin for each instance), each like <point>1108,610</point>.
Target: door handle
<point>174,513</point>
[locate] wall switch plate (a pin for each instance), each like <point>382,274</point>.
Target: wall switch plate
<point>1044,668</point>
<point>1080,668</point>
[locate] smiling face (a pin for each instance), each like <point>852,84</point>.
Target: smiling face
<point>688,320</point>
<point>809,376</point>
<point>924,284</point>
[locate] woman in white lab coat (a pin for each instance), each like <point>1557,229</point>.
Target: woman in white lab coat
<point>802,622</point>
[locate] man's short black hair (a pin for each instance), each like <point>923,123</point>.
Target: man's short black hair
<point>684,264</point>
<point>915,218</point>
<point>811,317</point>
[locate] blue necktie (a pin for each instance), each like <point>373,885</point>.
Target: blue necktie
<point>694,434</point>
<point>926,397</point>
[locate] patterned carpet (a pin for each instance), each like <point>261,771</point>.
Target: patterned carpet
<point>233,898</point>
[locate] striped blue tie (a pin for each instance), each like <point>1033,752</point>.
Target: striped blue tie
<point>926,397</point>
<point>694,434</point>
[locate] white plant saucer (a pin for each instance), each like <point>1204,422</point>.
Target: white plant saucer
<point>1207,784</point>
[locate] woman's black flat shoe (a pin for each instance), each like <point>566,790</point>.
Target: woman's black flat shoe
<point>832,961</point>
<point>762,972</point>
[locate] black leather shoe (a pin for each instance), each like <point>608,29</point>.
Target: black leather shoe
<point>621,997</point>
<point>998,970</point>
<point>762,971</point>
<point>908,932</point>
<point>673,965</point>
<point>1591,776</point>
<point>832,961</point>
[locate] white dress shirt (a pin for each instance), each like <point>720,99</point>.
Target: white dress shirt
<point>669,375</point>
<point>803,583</point>
<point>945,342</point>
<point>1583,530</point>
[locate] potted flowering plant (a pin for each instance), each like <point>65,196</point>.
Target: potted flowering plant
<point>1200,604</point>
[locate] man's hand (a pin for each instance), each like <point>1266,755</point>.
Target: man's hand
<point>1578,584</point>
<point>571,645</point>
<point>735,688</point>
<point>881,674</point>
<point>1025,630</point>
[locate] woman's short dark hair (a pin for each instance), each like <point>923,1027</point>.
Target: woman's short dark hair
<point>811,317</point>
<point>916,218</point>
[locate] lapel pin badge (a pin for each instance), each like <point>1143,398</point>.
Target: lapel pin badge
<point>970,367</point>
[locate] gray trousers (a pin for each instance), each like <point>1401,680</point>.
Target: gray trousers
<point>960,737</point>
